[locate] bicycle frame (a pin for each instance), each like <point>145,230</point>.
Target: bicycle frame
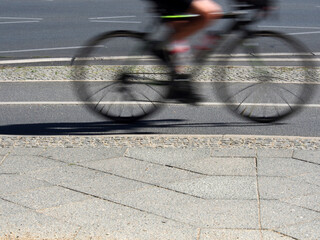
<point>241,19</point>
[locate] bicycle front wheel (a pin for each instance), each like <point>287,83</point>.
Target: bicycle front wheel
<point>266,76</point>
<point>118,77</point>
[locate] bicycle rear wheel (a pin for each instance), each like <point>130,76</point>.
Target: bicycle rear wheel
<point>266,76</point>
<point>118,77</point>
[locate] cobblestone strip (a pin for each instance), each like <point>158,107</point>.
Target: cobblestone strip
<point>208,73</point>
<point>163,141</point>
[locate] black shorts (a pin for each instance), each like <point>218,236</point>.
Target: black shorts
<point>172,6</point>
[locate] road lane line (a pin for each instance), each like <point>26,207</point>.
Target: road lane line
<point>40,60</point>
<point>294,27</point>
<point>19,22</point>
<point>303,33</point>
<point>21,18</point>
<point>265,59</point>
<point>210,104</point>
<point>15,20</point>
<point>106,21</point>
<point>43,49</point>
<point>263,54</point>
<point>144,57</point>
<point>100,18</point>
<point>289,27</point>
<point>141,58</point>
<point>107,80</point>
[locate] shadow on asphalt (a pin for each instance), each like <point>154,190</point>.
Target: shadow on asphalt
<point>108,128</point>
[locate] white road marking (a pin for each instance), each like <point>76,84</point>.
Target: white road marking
<point>21,18</point>
<point>273,54</point>
<point>15,20</point>
<point>265,59</point>
<point>212,55</point>
<point>39,60</point>
<point>213,104</point>
<point>19,22</point>
<point>45,49</point>
<point>105,21</point>
<point>303,33</point>
<point>218,57</point>
<point>294,27</point>
<point>100,18</point>
<point>107,80</point>
<point>289,27</point>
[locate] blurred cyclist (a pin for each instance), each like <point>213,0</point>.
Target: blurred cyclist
<point>207,10</point>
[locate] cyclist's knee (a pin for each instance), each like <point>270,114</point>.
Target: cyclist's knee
<point>207,9</point>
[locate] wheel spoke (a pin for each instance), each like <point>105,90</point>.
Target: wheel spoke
<point>137,82</point>
<point>284,88</point>
<point>242,90</point>
<point>98,91</point>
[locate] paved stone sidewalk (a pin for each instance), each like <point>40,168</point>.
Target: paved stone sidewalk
<point>160,187</point>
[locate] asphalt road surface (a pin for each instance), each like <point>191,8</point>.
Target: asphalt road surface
<point>58,28</point>
<point>52,28</point>
<point>52,108</point>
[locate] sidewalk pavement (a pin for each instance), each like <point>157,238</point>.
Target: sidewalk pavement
<point>159,187</point>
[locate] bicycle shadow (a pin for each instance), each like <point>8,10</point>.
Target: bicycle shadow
<point>108,128</point>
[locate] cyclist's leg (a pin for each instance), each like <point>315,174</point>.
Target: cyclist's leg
<point>208,11</point>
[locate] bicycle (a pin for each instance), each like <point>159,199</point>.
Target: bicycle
<point>129,87</point>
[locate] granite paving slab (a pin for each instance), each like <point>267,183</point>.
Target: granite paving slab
<point>141,170</point>
<point>159,187</point>
<point>234,152</point>
<point>285,167</point>
<point>311,156</point>
<point>271,153</point>
<point>85,154</point>
<point>278,215</point>
<point>311,202</point>
<point>272,235</point>
<point>168,156</point>
<point>281,187</point>
<point>222,166</point>
<point>218,187</point>
<point>241,234</point>
<point>45,197</point>
<point>26,151</point>
<point>87,180</point>
<point>139,228</point>
<point>307,230</point>
<point>3,158</point>
<point>107,220</point>
<point>4,151</point>
<point>17,222</point>
<point>191,210</point>
<point>311,178</point>
<point>23,164</point>
<point>13,183</point>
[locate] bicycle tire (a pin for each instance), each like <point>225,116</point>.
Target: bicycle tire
<point>260,87</point>
<point>124,88</point>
